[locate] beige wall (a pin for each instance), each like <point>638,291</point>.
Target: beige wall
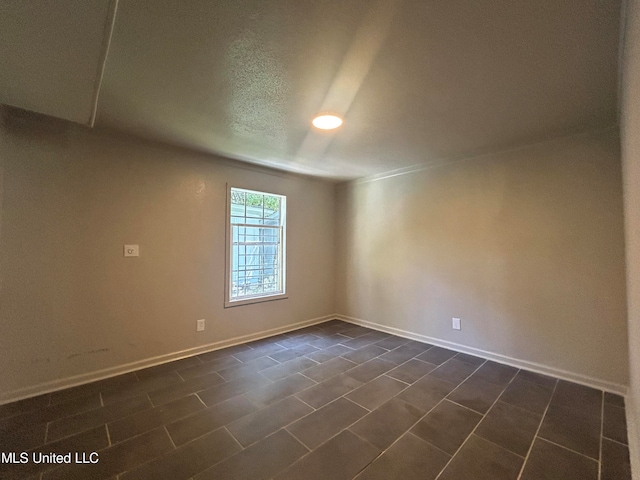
<point>630,133</point>
<point>526,247</point>
<point>71,304</point>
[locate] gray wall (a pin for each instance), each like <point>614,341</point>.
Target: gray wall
<point>525,246</point>
<point>630,133</point>
<point>71,304</point>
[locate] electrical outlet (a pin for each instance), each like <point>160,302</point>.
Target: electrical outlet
<point>455,323</point>
<point>132,250</point>
<point>200,325</point>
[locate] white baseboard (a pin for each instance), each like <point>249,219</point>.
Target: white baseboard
<point>514,362</point>
<point>61,384</point>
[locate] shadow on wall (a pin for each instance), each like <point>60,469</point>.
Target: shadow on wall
<point>526,247</point>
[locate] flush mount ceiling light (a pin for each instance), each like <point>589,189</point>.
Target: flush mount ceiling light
<point>326,121</point>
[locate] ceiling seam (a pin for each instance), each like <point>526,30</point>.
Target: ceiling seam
<point>110,23</point>
<point>621,54</point>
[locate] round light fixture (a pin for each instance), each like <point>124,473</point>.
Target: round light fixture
<point>326,121</point>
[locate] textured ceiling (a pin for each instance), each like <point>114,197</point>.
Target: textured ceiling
<point>417,81</point>
<point>51,55</point>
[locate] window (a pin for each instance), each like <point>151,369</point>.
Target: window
<point>256,247</point>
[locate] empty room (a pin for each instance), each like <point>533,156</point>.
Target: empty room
<point>334,240</point>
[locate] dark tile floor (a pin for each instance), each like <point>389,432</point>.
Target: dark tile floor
<point>331,401</point>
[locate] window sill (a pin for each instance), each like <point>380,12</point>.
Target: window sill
<point>250,301</point>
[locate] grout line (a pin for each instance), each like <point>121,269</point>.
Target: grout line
<point>233,355</point>
<point>616,441</point>
<point>408,431</point>
<point>310,406</point>
<point>307,358</point>
<point>46,432</point>
<point>333,436</point>
<point>106,426</point>
<point>169,435</point>
<point>362,406</point>
<point>315,382</point>
<point>233,436</point>
<point>279,363</point>
<point>198,397</point>
<point>397,379</point>
<point>601,435</point>
<point>301,442</point>
<point>568,449</point>
<point>471,409</point>
<point>430,444</point>
<point>271,382</point>
<point>526,458</point>
<point>497,445</point>
<point>346,346</point>
<point>479,422</point>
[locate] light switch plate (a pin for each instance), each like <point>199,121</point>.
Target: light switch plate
<point>132,250</point>
<point>455,323</point>
<point>200,325</point>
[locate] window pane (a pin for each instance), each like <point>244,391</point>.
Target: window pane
<point>257,244</point>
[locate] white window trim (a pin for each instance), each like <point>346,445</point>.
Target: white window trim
<point>228,303</point>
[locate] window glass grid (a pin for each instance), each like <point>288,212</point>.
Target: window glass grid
<point>257,234</point>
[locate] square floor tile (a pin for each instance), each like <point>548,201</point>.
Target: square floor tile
<point>453,371</point>
<point>364,354</point>
<point>615,423</point>
<point>341,458</point>
<point>290,367</point>
<point>436,355</point>
<point>319,426</point>
<point>496,373</point>
<point>387,423</point>
<point>447,426</point>
<point>209,419</point>
<point>510,427</point>
<point>476,394</point>
<point>269,394</point>
<point>261,461</point>
<point>367,371</point>
<point>258,425</point>
<point>544,380</point>
<point>376,392</point>
<point>615,461</point>
<point>329,390</point>
<point>426,392</point>
<point>410,458</point>
<point>403,353</point>
<point>552,462</point>
<point>188,460</point>
<point>572,429</point>
<point>479,459</point>
<point>411,371</point>
<point>528,395</point>
<point>329,369</point>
